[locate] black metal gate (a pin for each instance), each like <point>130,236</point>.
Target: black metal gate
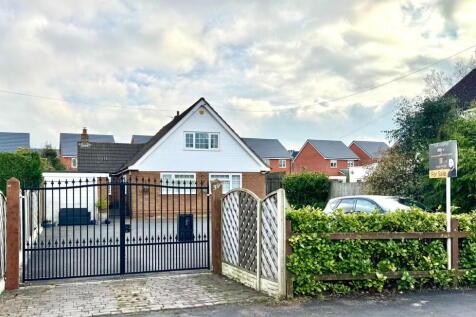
<point>98,227</point>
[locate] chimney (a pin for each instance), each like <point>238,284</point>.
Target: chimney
<point>84,137</point>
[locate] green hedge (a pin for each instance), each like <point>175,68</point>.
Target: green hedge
<point>306,189</point>
<point>314,253</point>
<point>26,167</point>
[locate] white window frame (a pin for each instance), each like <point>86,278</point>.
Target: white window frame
<point>74,162</point>
<point>210,179</point>
<point>333,163</point>
<point>350,163</point>
<point>282,165</point>
<point>194,148</point>
<point>170,191</point>
<point>267,162</point>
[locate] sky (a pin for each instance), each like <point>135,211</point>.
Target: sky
<point>292,70</point>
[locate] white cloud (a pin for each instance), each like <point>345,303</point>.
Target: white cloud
<point>127,66</point>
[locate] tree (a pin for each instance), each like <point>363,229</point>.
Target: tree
<point>24,165</point>
<point>51,156</point>
<point>399,173</point>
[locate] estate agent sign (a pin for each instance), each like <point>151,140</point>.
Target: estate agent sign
<point>443,159</point>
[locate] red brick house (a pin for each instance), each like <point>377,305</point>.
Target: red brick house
<point>332,158</point>
<point>369,152</point>
<point>68,150</point>
<point>272,152</point>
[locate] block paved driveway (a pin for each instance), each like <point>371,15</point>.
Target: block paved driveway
<point>125,295</point>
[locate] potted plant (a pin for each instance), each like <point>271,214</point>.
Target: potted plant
<point>101,204</point>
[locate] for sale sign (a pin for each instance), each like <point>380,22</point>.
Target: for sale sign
<point>443,159</point>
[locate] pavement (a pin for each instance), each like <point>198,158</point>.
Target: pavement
<point>125,295</point>
<point>434,303</point>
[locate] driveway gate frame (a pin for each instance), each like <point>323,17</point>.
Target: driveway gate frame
<point>100,227</point>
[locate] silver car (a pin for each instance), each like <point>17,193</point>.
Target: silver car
<point>371,203</point>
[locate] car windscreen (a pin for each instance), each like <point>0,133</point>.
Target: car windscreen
<point>394,203</point>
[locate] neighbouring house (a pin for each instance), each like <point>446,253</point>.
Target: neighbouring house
<point>293,153</point>
<point>140,139</point>
<point>332,158</point>
<point>465,91</point>
<point>196,146</point>
<point>272,152</point>
<point>11,141</point>
<point>369,152</point>
<point>69,146</point>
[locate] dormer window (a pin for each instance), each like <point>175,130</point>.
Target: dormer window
<point>201,140</point>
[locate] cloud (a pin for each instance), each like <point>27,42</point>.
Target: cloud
<point>125,67</point>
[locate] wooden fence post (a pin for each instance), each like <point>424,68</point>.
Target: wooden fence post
<point>12,274</point>
<point>454,245</point>
<point>216,200</point>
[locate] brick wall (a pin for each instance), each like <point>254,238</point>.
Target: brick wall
<point>364,158</point>
<point>310,159</point>
<point>150,201</point>
<point>67,163</point>
<point>274,166</point>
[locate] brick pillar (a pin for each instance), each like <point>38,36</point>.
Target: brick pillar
<point>216,225</point>
<point>12,275</point>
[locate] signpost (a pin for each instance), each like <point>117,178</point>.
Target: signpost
<point>444,164</point>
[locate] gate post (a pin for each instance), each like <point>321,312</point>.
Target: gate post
<point>217,196</point>
<point>12,274</point>
<point>122,230</point>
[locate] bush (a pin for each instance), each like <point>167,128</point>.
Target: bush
<point>306,189</point>
<point>25,166</point>
<point>314,254</point>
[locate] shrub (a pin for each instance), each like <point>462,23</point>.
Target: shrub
<point>315,254</point>
<point>306,189</point>
<point>25,166</point>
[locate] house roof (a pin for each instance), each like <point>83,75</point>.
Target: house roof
<point>169,126</point>
<point>464,90</point>
<point>69,142</point>
<point>267,148</point>
<point>334,150</point>
<point>373,149</point>
<point>140,139</point>
<point>105,157</point>
<point>293,153</point>
<point>10,141</point>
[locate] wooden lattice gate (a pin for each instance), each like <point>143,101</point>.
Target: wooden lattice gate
<point>254,240</point>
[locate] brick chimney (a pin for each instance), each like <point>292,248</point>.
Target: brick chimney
<point>84,137</point>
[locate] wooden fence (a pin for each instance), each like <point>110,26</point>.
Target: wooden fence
<point>454,235</point>
<point>346,189</point>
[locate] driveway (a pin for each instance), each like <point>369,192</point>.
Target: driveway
<point>454,303</point>
<point>125,295</point>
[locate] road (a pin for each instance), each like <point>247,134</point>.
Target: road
<point>452,303</point>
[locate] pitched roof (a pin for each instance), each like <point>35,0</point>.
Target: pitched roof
<point>334,150</point>
<point>464,90</point>
<point>105,157</point>
<point>169,126</point>
<point>10,141</point>
<point>140,139</point>
<point>374,149</point>
<point>293,153</point>
<point>267,148</point>
<point>69,142</point>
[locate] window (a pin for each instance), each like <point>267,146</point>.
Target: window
<point>74,162</point>
<point>347,205</point>
<point>282,163</point>
<point>350,163</point>
<point>364,205</point>
<point>333,163</point>
<point>266,161</point>
<point>186,182</point>
<point>228,181</point>
<point>201,140</point>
